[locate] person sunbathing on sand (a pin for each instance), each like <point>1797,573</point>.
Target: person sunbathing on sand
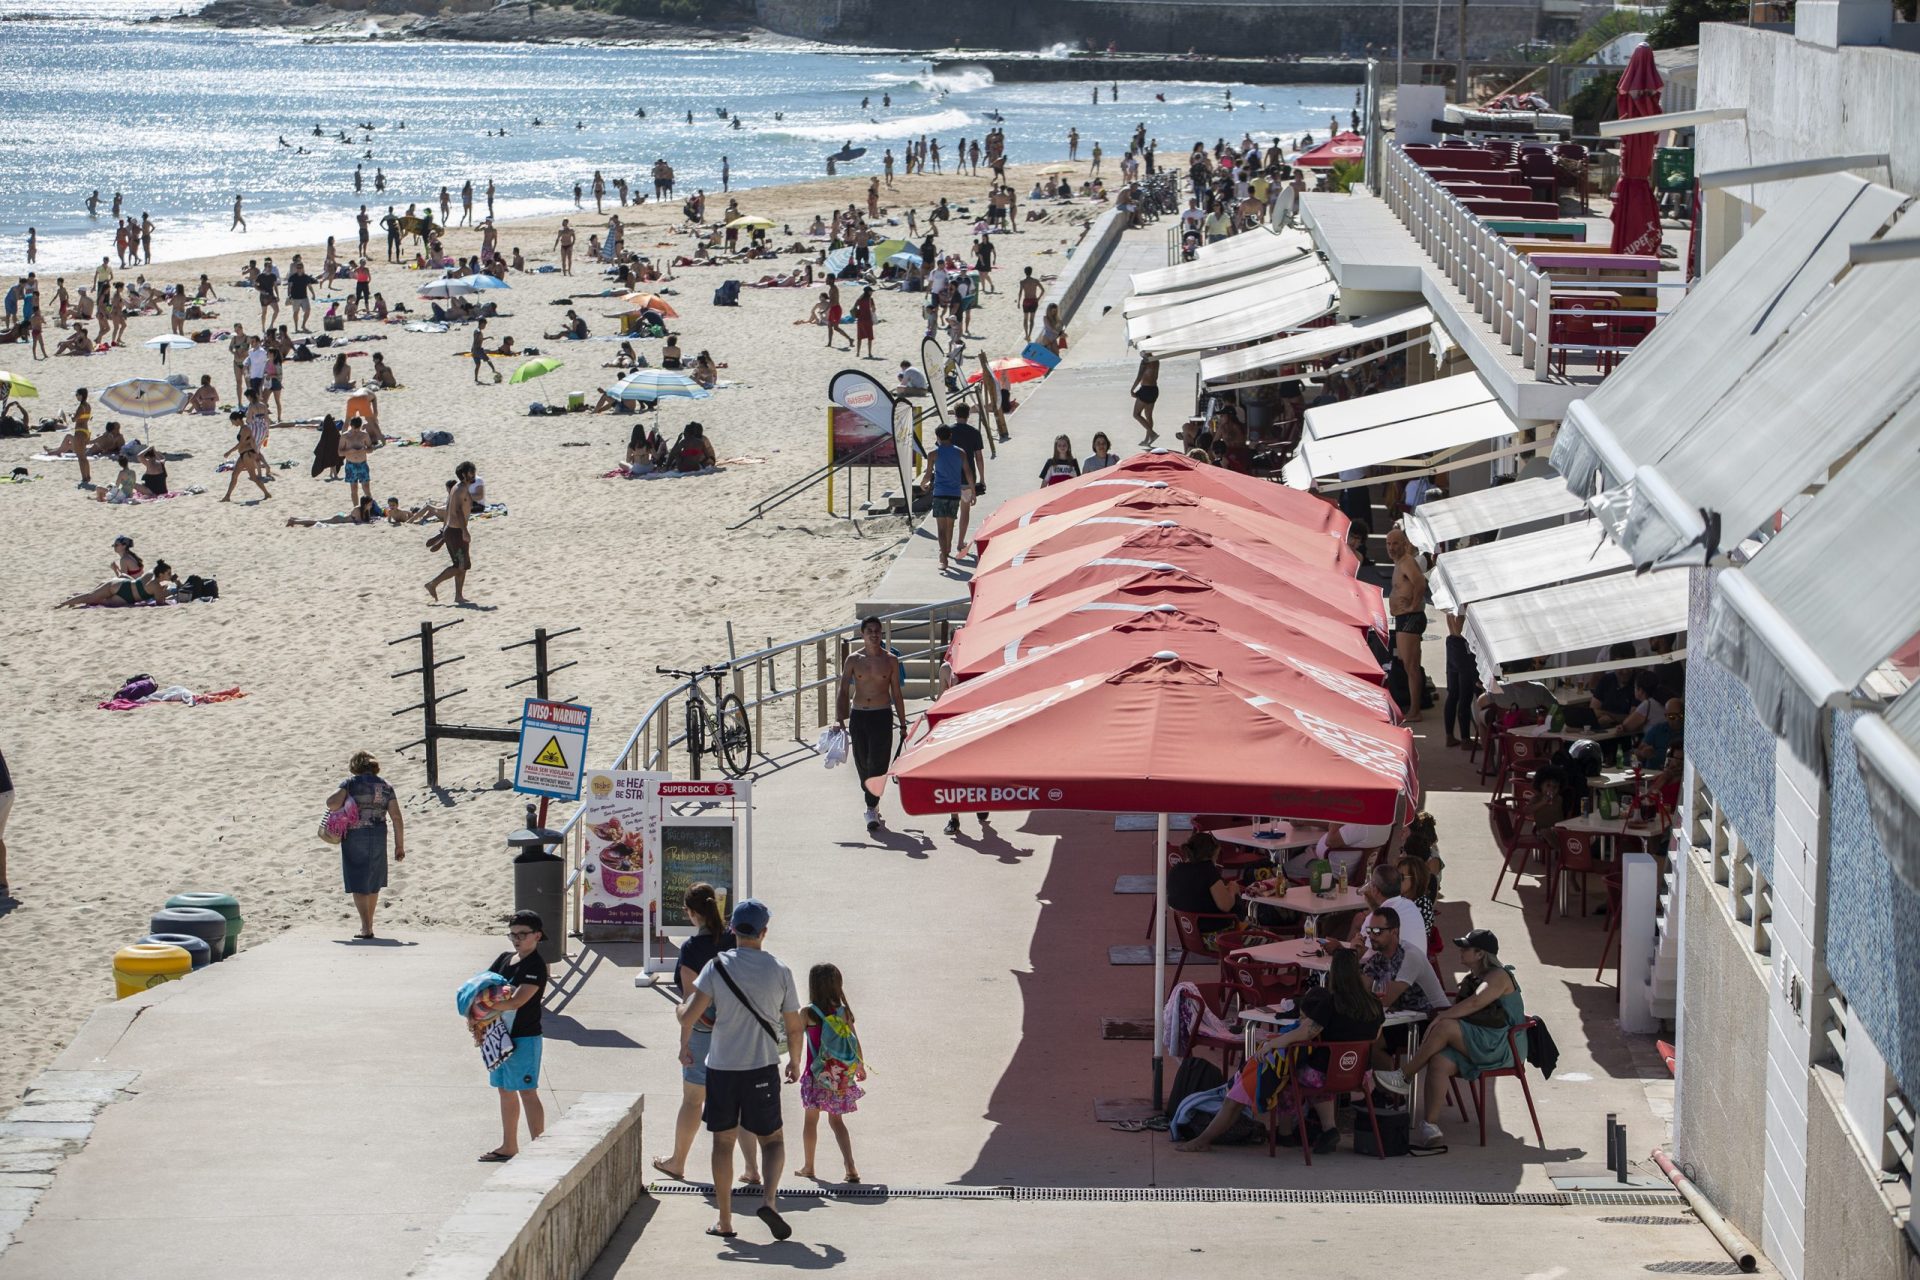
<point>121,592</point>
<point>705,371</point>
<point>75,344</point>
<point>628,358</point>
<point>368,512</point>
<point>397,514</point>
<point>205,398</point>
<point>382,374</point>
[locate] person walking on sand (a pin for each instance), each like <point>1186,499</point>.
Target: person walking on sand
<point>1073,144</point>
<point>746,988</point>
<point>363,846</point>
<point>869,702</point>
<point>563,241</point>
<point>456,537</point>
<point>712,938</point>
<point>480,354</point>
<point>1030,292</point>
<point>517,1077</point>
<point>33,246</point>
<point>835,1067</point>
<point>835,317</point>
<point>354,446</point>
<point>466,203</point>
<point>239,219</point>
<point>863,322</point>
<point>1146,393</point>
<point>6,807</point>
<point>1094,170</point>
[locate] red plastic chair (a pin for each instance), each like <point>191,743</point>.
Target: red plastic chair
<point>1260,983</point>
<point>1514,836</point>
<point>1613,929</point>
<point>1573,854</point>
<point>1191,928</point>
<point>1222,1000</point>
<point>1478,1085</point>
<point>1346,1073</point>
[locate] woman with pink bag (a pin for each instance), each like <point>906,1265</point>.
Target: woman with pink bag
<point>370,802</point>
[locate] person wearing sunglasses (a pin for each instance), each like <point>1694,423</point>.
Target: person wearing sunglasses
<point>518,1076</point>
<point>1468,1037</point>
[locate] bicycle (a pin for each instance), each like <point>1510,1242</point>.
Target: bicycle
<point>732,746</point>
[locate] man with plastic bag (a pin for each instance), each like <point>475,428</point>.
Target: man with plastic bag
<point>869,702</point>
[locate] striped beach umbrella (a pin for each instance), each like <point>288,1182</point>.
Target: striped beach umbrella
<point>656,384</point>
<point>143,398</point>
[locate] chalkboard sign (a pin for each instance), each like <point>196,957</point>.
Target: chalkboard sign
<point>694,850</point>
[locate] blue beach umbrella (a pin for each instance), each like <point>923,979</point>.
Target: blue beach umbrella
<point>656,384</point>
<point>488,282</point>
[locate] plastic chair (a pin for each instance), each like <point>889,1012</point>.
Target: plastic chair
<point>1478,1085</point>
<point>1261,983</point>
<point>1346,1073</point>
<point>1191,928</point>
<point>1573,854</point>
<point>1613,929</point>
<point>1221,999</point>
<point>1514,836</point>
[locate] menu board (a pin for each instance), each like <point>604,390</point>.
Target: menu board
<point>693,850</point>
<point>619,867</point>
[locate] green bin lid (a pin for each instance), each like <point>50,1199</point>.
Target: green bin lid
<point>225,903</point>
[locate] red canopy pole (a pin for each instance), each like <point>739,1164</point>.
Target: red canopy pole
<point>1159,956</point>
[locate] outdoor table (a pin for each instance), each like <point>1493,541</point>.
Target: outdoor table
<point>1268,1016</point>
<point>1303,900</point>
<point>1275,837</point>
<point>1604,832</point>
<point>1608,779</point>
<point>1305,952</point>
<point>1568,734</point>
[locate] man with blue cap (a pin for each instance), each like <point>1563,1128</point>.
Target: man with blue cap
<point>751,994</point>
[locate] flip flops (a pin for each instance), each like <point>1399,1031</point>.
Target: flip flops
<point>724,1235</point>
<point>495,1157</point>
<point>775,1223</point>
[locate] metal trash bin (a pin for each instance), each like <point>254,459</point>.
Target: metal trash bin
<point>540,882</point>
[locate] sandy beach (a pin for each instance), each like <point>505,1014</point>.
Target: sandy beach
<point>118,810</point>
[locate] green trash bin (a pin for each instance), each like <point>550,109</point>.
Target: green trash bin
<point>1673,170</point>
<point>226,904</point>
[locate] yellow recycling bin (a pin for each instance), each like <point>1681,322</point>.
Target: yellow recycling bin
<point>147,964</point>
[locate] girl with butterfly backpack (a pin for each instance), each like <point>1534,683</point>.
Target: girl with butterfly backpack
<point>835,1066</point>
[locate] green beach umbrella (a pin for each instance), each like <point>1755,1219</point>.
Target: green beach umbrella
<point>538,367</point>
<point>17,386</point>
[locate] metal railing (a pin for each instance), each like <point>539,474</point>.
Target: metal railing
<point>798,673</point>
<point>1513,297</point>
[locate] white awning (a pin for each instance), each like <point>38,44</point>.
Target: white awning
<point>1840,372</point>
<point>1799,626</point>
<point>1280,314</point>
<point>1504,506</point>
<point>1571,625</point>
<point>1235,256</point>
<point>1182,306</point>
<point>1719,331</point>
<point>1310,344</point>
<point>1308,276</point>
<point>1411,423</point>
<point>1888,750</point>
<point>1522,563</point>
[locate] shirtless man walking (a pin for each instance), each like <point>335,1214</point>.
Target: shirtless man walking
<point>353,452</point>
<point>1407,602</point>
<point>239,219</point>
<point>1030,292</point>
<point>870,701</point>
<point>465,494</point>
<point>564,243</point>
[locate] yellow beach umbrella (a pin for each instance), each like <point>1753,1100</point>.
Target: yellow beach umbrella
<point>751,222</point>
<point>17,385</point>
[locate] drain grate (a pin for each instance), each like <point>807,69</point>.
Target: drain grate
<point>1696,1268</point>
<point>1204,1195</point>
<point>1649,1220</point>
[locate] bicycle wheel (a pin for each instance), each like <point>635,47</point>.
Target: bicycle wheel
<point>736,736</point>
<point>697,734</point>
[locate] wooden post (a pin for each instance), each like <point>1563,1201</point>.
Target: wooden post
<point>991,388</point>
<point>427,697</point>
<point>799,680</point>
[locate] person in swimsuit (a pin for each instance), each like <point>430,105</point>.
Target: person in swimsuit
<point>121,592</point>
<point>366,512</point>
<point>247,459</point>
<point>870,701</point>
<point>467,492</point>
<point>354,446</point>
<point>1407,602</point>
<point>1146,391</point>
<point>81,435</point>
<point>153,473</point>
<point>125,563</point>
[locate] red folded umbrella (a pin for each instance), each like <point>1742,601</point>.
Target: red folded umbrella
<point>1341,146</point>
<point>987,643</point>
<point>1176,471</point>
<point>1255,663</point>
<point>1161,734</point>
<point>1137,509</point>
<point>1013,369</point>
<point>1636,214</point>
<point>1250,567</point>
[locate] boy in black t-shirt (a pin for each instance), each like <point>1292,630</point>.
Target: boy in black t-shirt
<point>518,1075</point>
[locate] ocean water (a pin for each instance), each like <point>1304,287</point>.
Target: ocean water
<point>179,120</point>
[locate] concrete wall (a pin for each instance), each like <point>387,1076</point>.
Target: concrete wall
<point>1083,268</point>
<point>1851,1230</point>
<point>1261,28</point>
<point>547,1215</point>
<point>1803,100</point>
<point>1726,742</point>
<point>1723,1008</point>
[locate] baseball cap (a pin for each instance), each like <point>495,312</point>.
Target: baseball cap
<point>750,916</point>
<point>1479,940</point>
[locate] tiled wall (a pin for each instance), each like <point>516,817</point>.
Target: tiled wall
<point>1873,919</point>
<point>1726,742</point>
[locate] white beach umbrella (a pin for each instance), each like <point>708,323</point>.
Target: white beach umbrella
<point>168,342</point>
<point>447,289</point>
<point>656,384</point>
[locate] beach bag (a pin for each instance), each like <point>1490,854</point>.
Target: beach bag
<point>727,295</point>
<point>833,746</point>
<point>199,588</point>
<point>136,688</point>
<point>839,1051</point>
<point>333,324</point>
<point>1196,1075</point>
<point>1197,1111</point>
<point>335,825</point>
<point>436,438</point>
<point>1395,1126</point>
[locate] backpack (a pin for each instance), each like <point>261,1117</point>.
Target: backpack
<point>1196,1075</point>
<point>1197,1110</point>
<point>727,295</point>
<point>436,438</point>
<point>199,588</point>
<point>839,1043</point>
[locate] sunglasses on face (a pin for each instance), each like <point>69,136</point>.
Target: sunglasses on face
<point>1378,929</point>
<point>517,934</point>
